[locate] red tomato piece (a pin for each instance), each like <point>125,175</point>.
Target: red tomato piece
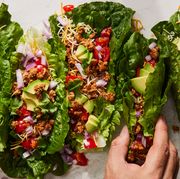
<point>105,53</point>
<point>68,8</point>
<point>84,116</point>
<point>152,62</point>
<point>91,144</point>
<point>21,126</point>
<point>23,112</point>
<point>71,78</point>
<point>80,158</point>
<point>38,61</point>
<point>102,41</point>
<point>29,144</point>
<point>40,68</point>
<point>106,32</point>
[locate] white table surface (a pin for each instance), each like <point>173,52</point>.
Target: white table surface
<point>32,12</point>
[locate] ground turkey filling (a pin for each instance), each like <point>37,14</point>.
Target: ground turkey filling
<point>140,144</point>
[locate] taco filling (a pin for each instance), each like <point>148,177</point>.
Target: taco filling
<point>87,57</point>
<point>140,143</point>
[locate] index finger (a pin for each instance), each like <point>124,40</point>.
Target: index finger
<point>158,153</point>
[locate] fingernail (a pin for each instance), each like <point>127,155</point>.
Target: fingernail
<point>124,131</point>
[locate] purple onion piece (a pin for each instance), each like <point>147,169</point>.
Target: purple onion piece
<point>43,60</point>
<point>148,58</point>
<point>101,83</point>
<point>29,130</point>
<point>68,150</point>
<point>28,119</point>
<point>20,83</point>
<point>53,84</point>
<point>26,154</point>
<point>30,66</point>
<point>152,45</point>
<point>39,53</point>
<point>143,141</point>
<point>62,21</point>
<point>98,48</point>
<point>45,132</point>
<point>139,138</point>
<point>138,113</point>
<point>80,69</point>
<point>20,48</point>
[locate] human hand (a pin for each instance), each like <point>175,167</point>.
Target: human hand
<point>161,161</point>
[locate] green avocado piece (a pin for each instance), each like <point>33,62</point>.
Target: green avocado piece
<point>84,56</point>
<point>139,84</point>
<point>30,100</point>
<point>30,88</point>
<point>81,98</point>
<point>92,123</point>
<point>176,41</point>
<point>144,72</point>
<point>90,56</point>
<point>89,106</point>
<point>149,68</point>
<point>80,50</point>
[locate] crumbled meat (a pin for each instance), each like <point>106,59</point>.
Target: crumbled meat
<point>138,129</point>
<point>32,73</point>
<point>102,66</point>
<point>79,128</point>
<point>154,53</point>
<point>52,95</point>
<point>39,89</point>
<point>43,74</point>
<point>16,91</point>
<point>106,76</point>
<point>71,96</point>
<point>137,146</point>
<point>88,43</point>
<point>108,96</point>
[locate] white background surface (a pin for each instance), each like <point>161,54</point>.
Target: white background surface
<point>32,12</point>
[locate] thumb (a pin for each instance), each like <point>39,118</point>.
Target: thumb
<point>119,146</point>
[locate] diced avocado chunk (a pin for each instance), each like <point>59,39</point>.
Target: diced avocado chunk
<point>81,98</point>
<point>30,100</point>
<point>177,42</point>
<point>84,56</point>
<point>90,56</point>
<point>89,106</point>
<point>149,68</point>
<point>31,87</point>
<point>92,123</point>
<point>30,105</point>
<point>144,72</point>
<point>80,50</point>
<point>139,84</point>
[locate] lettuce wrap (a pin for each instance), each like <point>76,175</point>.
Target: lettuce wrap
<point>143,91</point>
<point>33,109</point>
<point>93,35</point>
<point>169,32</point>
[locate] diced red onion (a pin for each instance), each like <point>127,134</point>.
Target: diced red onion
<point>152,45</point>
<point>72,121</point>
<point>28,119</point>
<point>30,66</point>
<point>99,55</point>
<point>67,159</point>
<point>138,113</point>
<point>47,25</point>
<point>139,138</point>
<point>29,130</point>
<point>43,60</point>
<point>68,150</point>
<point>101,83</point>
<point>20,83</point>
<point>80,69</point>
<point>29,56</point>
<point>26,154</point>
<point>148,58</point>
<point>45,132</point>
<point>62,21</point>
<point>53,84</point>
<point>39,53</point>
<point>144,141</point>
<point>99,48</point>
<point>86,135</point>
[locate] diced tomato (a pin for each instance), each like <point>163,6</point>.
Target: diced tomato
<point>80,158</point>
<point>106,32</point>
<point>91,144</point>
<point>40,68</point>
<point>71,78</point>
<point>105,52</point>
<point>102,41</point>
<point>103,55</point>
<point>23,112</point>
<point>138,72</point>
<point>68,8</point>
<point>152,62</point>
<point>21,126</point>
<point>38,61</point>
<point>84,116</point>
<point>29,144</point>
